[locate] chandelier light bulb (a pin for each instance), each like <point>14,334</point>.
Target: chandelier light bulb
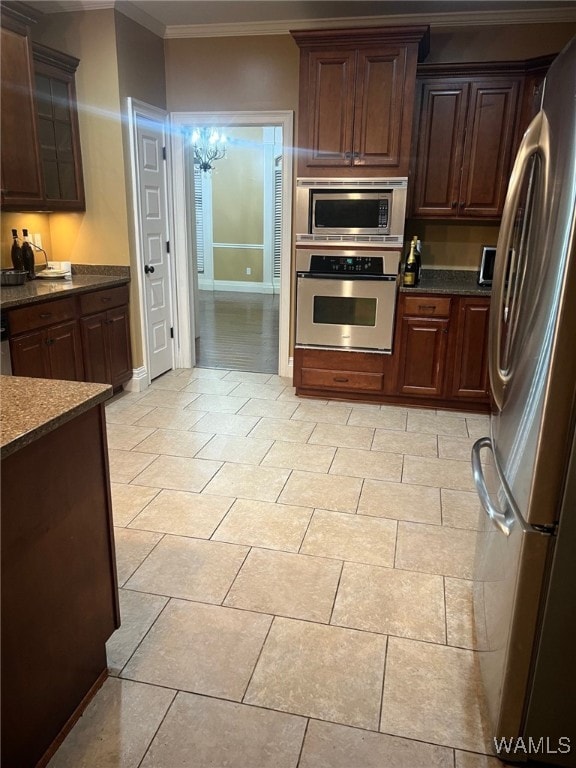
<point>209,145</point>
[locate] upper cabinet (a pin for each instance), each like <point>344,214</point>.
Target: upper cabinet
<point>465,130</point>
<point>356,100</point>
<point>41,159</point>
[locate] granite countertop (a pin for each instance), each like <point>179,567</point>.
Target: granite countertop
<point>33,407</point>
<point>457,281</point>
<point>41,289</point>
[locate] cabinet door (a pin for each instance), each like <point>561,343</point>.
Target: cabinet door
<point>327,106</point>
<point>94,348</point>
<point>383,110</point>
<point>470,377</point>
<point>21,181</point>
<point>492,111</point>
<point>64,351</point>
<point>29,355</point>
<point>422,364</point>
<point>119,351</point>
<point>441,118</point>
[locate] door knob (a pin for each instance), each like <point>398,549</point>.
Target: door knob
<point>148,269</point>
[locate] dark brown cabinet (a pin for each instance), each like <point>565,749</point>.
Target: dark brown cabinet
<point>41,158</point>
<point>341,371</point>
<point>470,370</point>
<point>53,353</point>
<point>465,130</point>
<point>356,100</point>
<point>106,336</point>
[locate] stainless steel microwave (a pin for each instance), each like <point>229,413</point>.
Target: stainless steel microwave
<point>350,210</point>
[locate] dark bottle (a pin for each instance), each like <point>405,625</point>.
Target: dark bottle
<point>410,267</point>
<point>16,253</point>
<point>28,256</point>
<point>418,256</point>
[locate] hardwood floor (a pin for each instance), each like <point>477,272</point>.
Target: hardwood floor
<point>238,331</point>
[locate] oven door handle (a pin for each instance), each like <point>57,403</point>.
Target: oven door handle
<point>311,276</point>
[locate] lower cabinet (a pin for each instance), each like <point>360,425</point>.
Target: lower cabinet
<point>106,347</point>
<point>53,353</point>
<point>440,358</point>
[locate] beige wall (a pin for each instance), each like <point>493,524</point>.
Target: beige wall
<point>35,223</point>
<point>451,245</point>
<point>231,263</point>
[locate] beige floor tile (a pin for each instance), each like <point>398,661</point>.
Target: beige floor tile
<point>211,386</point>
<point>178,473</point>
<point>251,377</point>
<point>285,584</point>
<point>392,602</point>
<point>414,443</point>
<point>116,727</point>
<point>200,732</point>
<point>128,415</point>
<point>125,465</point>
<point>285,381</point>
<point>460,615</point>
<point>342,436</point>
<point>168,381</point>
<point>138,611</point>
<point>311,489</point>
<point>239,450</point>
<point>218,403</point>
<point>356,462</point>
<point>248,482</point>
<point>389,419</point>
<point>201,648</point>
<point>264,524</point>
<point>163,398</point>
<point>257,391</point>
<point>439,473</point>
<point>462,509</point>
<point>171,418</point>
<point>431,694</point>
<point>273,409</point>
<point>183,513</point>
<point>322,414</point>
<point>478,426</point>
<point>173,442</point>
<point>132,548</point>
<point>283,429</point>
<point>123,399</point>
<point>400,501</point>
<point>459,448</point>
<point>129,500</point>
<point>473,760</point>
<point>192,569</point>
<point>351,537</point>
<point>206,373</point>
<point>226,424</point>
<point>442,423</point>
<point>125,436</point>
<point>338,746</point>
<point>299,456</point>
<point>436,549</point>
<point>321,671</point>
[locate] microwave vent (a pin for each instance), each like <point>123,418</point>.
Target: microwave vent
<point>400,182</point>
<point>305,238</point>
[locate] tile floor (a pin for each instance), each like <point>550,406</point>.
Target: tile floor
<point>294,584</point>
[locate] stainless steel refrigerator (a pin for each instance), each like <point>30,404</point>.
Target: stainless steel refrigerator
<point>525,471</point>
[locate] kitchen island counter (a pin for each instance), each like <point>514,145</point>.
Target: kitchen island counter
<point>38,290</point>
<point>449,281</point>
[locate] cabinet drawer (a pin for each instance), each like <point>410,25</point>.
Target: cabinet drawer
<point>97,301</point>
<point>427,306</point>
<point>365,362</point>
<point>41,315</point>
<point>345,380</point>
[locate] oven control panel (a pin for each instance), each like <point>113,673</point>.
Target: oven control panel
<point>346,265</point>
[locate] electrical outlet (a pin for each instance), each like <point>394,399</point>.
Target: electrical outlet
<point>248,270</point>
<point>37,239</point>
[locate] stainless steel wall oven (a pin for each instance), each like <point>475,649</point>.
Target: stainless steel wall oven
<point>346,298</point>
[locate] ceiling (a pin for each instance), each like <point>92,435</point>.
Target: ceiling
<point>195,18</point>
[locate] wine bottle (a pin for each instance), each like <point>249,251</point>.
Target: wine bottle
<point>27,256</point>
<point>418,255</point>
<point>410,267</point>
<point>16,252</point>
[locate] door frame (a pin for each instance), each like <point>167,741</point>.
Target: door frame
<point>135,109</point>
<point>185,352</point>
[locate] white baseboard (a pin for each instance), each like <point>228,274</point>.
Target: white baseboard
<point>236,285</point>
<point>139,380</point>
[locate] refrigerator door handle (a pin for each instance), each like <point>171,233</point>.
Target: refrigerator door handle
<point>504,299</point>
<point>502,521</point>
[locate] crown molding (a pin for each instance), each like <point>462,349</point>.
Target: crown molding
<point>433,20</point>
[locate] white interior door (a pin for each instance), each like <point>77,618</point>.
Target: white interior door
<point>149,149</point>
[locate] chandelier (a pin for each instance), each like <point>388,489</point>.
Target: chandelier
<point>209,144</point>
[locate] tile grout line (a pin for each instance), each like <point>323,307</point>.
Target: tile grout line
<point>303,742</point>
<point>383,684</point>
<point>257,661</point>
<point>336,594</point>
<point>160,724</point>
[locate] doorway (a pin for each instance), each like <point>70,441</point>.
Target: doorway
<point>242,277</point>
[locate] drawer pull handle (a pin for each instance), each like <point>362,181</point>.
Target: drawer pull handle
<point>427,307</point>
<point>340,379</point>
<point>106,299</point>
<point>44,315</point>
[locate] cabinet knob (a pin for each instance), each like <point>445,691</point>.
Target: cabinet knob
<point>454,203</point>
